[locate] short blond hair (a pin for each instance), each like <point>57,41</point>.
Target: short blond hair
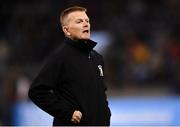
<point>69,10</point>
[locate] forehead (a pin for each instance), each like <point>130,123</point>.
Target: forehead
<point>77,15</point>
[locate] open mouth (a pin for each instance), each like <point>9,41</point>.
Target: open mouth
<point>86,31</point>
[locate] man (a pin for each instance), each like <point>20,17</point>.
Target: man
<point>70,86</point>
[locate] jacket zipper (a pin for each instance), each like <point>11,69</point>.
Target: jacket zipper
<point>89,57</point>
<point>93,72</point>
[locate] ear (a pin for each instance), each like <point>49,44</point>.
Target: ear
<point>65,30</point>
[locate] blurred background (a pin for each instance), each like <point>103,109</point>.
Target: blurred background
<point>140,42</point>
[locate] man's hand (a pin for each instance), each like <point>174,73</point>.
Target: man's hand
<point>76,118</point>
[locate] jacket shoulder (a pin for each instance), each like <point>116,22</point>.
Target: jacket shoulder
<point>54,56</point>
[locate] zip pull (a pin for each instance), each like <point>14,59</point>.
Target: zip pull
<point>100,70</point>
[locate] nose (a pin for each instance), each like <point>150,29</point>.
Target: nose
<point>86,24</point>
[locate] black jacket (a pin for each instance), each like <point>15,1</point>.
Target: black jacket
<point>72,79</point>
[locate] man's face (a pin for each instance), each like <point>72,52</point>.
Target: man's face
<point>77,25</point>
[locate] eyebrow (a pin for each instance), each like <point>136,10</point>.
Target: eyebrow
<point>82,19</point>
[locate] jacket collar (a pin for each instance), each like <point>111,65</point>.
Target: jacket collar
<point>85,45</point>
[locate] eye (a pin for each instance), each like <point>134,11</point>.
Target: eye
<point>87,20</point>
<point>78,21</point>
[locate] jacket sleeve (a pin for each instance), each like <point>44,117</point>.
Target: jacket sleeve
<point>105,86</point>
<point>42,91</point>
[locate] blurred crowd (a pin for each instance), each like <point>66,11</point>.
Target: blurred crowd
<point>146,46</point>
<point>144,50</point>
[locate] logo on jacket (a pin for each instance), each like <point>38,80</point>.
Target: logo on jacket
<point>100,70</point>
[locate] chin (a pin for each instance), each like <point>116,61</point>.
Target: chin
<point>85,38</point>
